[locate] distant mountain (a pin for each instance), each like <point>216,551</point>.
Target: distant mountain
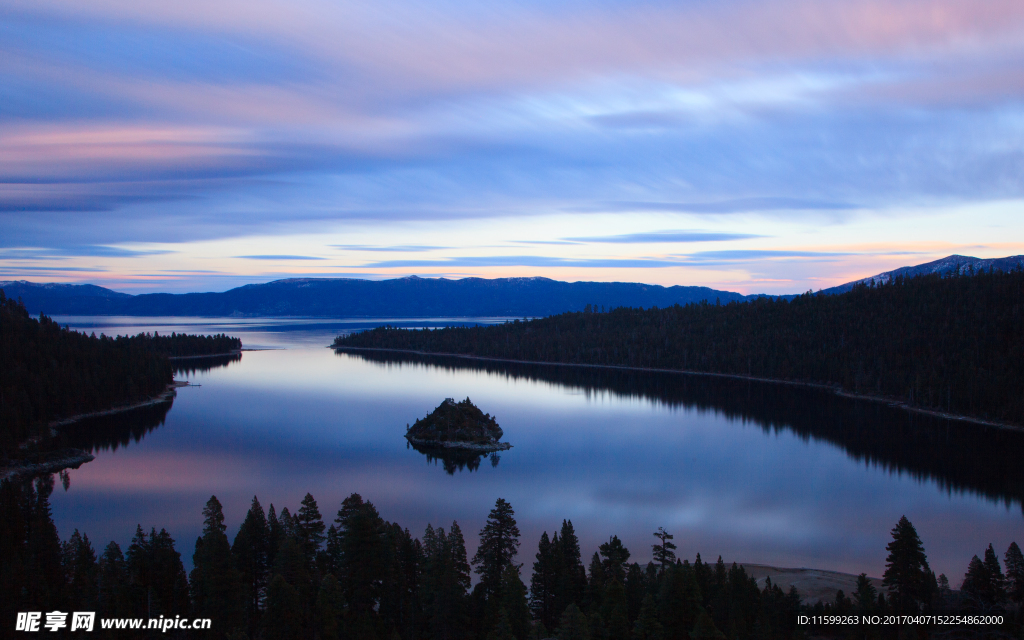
<point>344,297</point>
<point>949,264</point>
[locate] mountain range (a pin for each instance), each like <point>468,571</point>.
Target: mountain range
<point>408,297</point>
<point>944,266</point>
<point>412,296</point>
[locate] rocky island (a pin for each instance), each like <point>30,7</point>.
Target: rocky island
<point>457,425</point>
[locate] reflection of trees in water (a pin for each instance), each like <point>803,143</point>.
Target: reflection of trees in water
<point>959,456</point>
<point>456,459</point>
<point>192,366</point>
<point>113,431</point>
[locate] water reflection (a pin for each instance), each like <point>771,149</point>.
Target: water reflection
<point>959,456</point>
<point>113,431</point>
<point>191,366</point>
<point>453,460</point>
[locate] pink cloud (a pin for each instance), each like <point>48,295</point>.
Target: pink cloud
<point>413,43</point>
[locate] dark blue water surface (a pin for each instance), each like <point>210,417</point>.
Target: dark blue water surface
<point>753,472</point>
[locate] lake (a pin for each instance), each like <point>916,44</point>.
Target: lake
<point>763,473</point>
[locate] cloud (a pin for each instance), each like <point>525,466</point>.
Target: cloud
<point>407,248</point>
<point>77,251</point>
<point>755,254</point>
<point>280,257</point>
<point>545,242</point>
<point>530,261</point>
<point>15,271</point>
<point>190,121</point>
<point>666,236</point>
<point>736,205</point>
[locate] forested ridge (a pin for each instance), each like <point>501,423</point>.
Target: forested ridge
<point>49,372</point>
<point>953,344</point>
<point>287,576</point>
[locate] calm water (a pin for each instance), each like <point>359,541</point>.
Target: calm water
<point>756,473</point>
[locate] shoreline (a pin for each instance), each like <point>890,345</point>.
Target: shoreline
<point>57,462</point>
<point>74,458</point>
<point>236,352</point>
<point>735,376</point>
<point>167,395</point>
<point>460,446</point>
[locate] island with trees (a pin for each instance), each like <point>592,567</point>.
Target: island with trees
<point>951,345</point>
<point>457,425</point>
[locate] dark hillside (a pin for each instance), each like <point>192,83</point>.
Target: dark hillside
<point>50,373</point>
<point>952,343</point>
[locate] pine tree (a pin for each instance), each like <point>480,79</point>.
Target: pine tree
<point>13,532</point>
<point>679,601</point>
<point>275,535</point>
<point>636,589</point>
<point>499,543</point>
<point>502,628</point>
<point>866,594</point>
<point>647,626</point>
<point>332,552</point>
<point>310,528</point>
<point>399,607</point>
<point>906,568</point>
<point>573,624</point>
<point>615,557</point>
<point>361,541</point>
<point>543,582</point>
<point>112,597</point>
<point>1014,573</point>
<point>664,553</point>
<point>250,552</point>
<point>215,580</point>
<point>457,581</point>
<point>284,618</point>
<point>158,584</point>
<point>705,629</point>
<point>976,587</point>
<point>44,573</point>
<point>945,593</point>
<point>997,583</point>
<point>616,610</point>
<point>82,572</point>
<point>571,581</point>
<point>330,606</point>
<point>596,579</point>
<point>514,602</point>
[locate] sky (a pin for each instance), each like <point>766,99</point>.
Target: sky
<point>768,146</point>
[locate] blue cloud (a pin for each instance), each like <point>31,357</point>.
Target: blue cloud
<point>280,257</point>
<point>734,205</point>
<point>530,261</point>
<point>408,248</point>
<point>77,251</point>
<point>666,236</point>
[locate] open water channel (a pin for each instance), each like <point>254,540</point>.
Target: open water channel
<point>753,472</point>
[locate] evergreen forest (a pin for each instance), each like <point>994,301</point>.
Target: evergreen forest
<point>952,344</point>
<point>50,373</point>
<point>292,575</point>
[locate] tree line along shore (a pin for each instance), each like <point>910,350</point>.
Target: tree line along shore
<point>949,344</point>
<point>50,373</point>
<point>288,576</point>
